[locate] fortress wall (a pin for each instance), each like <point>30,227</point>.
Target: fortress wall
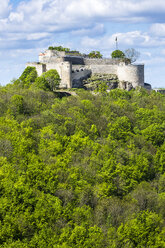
<point>40,68</point>
<point>131,73</point>
<point>56,66</point>
<point>75,60</point>
<point>47,59</point>
<point>49,54</point>
<point>66,77</point>
<point>80,74</point>
<point>103,69</point>
<point>64,70</point>
<point>79,67</point>
<point>89,61</point>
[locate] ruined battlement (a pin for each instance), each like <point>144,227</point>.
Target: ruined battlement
<point>74,68</point>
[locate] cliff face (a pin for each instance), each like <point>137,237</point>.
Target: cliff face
<point>109,81</point>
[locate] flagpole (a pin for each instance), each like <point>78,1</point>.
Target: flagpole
<point>116,44</point>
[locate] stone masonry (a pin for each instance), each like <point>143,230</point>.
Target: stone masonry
<point>73,69</point>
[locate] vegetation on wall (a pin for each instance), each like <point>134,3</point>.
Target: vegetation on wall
<point>95,54</point>
<point>129,56</point>
<point>101,82</point>
<point>65,49</point>
<point>59,48</point>
<point>118,54</point>
<point>81,171</point>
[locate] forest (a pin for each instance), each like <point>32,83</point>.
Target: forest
<point>82,171</point>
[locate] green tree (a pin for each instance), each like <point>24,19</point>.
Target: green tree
<point>28,76</point>
<point>53,78</point>
<point>59,48</point>
<point>41,83</point>
<point>95,54</point>
<point>143,231</point>
<point>16,105</point>
<point>117,54</point>
<point>49,80</point>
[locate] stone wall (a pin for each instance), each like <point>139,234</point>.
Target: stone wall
<point>75,60</point>
<point>78,60</point>
<point>50,55</point>
<point>131,73</point>
<point>63,68</point>
<point>64,71</point>
<point>46,59</point>
<point>40,68</point>
<point>89,61</point>
<point>75,68</point>
<point>103,69</point>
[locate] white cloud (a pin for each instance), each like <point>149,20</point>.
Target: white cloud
<point>126,40</point>
<point>90,42</point>
<point>158,29</point>
<point>5,8</point>
<point>39,23</point>
<point>147,54</point>
<point>59,16</point>
<point>16,17</point>
<point>38,19</point>
<point>95,30</point>
<point>37,36</point>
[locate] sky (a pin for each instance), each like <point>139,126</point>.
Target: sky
<point>29,27</point>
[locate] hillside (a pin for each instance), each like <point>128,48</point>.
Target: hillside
<point>81,171</point>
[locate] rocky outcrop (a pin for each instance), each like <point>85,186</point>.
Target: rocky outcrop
<point>109,81</point>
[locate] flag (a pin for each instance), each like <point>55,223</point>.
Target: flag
<point>116,39</point>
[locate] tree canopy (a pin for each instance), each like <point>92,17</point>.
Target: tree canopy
<point>49,80</point>
<point>95,54</point>
<point>81,171</point>
<point>117,54</point>
<point>59,48</point>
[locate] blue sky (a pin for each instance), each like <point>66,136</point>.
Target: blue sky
<point>28,27</point>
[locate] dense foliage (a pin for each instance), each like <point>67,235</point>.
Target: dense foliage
<point>95,54</point>
<point>59,48</point>
<point>117,54</point>
<point>49,80</point>
<point>81,171</point>
<point>65,49</point>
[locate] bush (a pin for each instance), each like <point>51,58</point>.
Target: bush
<point>95,54</point>
<point>59,48</point>
<point>117,54</point>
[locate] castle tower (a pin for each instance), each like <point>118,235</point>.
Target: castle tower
<point>131,73</point>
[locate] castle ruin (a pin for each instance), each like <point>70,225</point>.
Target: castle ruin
<point>75,68</point>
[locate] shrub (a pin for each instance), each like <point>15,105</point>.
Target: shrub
<point>95,54</point>
<point>117,54</point>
